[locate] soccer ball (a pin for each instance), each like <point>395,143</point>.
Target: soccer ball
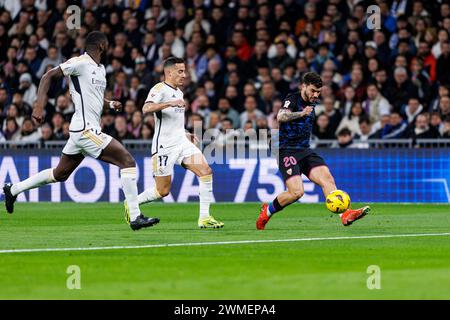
<point>338,201</point>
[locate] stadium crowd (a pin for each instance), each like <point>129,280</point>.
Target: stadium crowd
<point>243,57</point>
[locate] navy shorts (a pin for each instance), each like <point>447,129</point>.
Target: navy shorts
<point>294,162</point>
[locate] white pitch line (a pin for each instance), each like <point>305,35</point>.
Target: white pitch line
<point>191,244</point>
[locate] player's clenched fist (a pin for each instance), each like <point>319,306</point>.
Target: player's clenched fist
<point>307,111</point>
<point>38,115</point>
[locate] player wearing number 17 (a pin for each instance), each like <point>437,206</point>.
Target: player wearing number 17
<point>171,144</point>
<point>296,119</point>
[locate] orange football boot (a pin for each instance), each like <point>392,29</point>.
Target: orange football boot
<point>350,216</point>
<point>263,217</point>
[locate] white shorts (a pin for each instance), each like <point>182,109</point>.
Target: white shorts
<point>164,160</point>
<point>89,142</point>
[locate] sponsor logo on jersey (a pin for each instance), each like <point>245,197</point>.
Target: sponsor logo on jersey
<point>99,82</point>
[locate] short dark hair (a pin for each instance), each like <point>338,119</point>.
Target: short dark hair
<point>364,119</point>
<point>172,61</point>
<point>312,78</point>
<point>94,39</point>
<point>344,132</point>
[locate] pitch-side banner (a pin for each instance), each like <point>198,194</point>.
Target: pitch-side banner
<point>391,175</point>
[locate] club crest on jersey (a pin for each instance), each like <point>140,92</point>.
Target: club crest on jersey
<point>289,172</point>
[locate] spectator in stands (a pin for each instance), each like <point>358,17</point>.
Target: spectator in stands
<point>412,110</point>
<point>46,133</point>
<point>397,128</point>
<point>443,91</point>
<point>436,122</point>
<point>138,90</point>
<point>28,88</point>
<point>146,132</point>
<point>272,117</point>
<point>375,105</point>
<point>281,85</point>
<point>53,58</point>
<point>58,123</point>
<point>65,107</point>
<point>262,128</point>
<point>444,106</point>
<point>13,113</point>
<point>399,93</point>
<point>429,61</point>
<point>226,132</point>
<point>268,94</point>
<point>446,129</point>
<point>32,59</point>
<point>423,130</point>
<point>4,100</point>
<point>11,130</point>
<point>357,83</point>
<point>366,133</point>
<point>23,107</point>
<point>226,111</point>
<point>282,58</point>
<point>122,133</point>
<point>135,125</point>
<point>202,106</point>
<point>251,112</point>
<point>129,108</point>
<point>199,19</point>
<point>351,122</point>
<point>321,129</point>
<point>334,115</point>
<point>29,133</point>
<point>253,49</point>
<point>420,78</point>
<point>443,72</point>
<point>310,17</point>
<point>344,139</point>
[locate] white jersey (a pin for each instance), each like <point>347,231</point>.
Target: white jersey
<point>169,122</point>
<point>87,87</point>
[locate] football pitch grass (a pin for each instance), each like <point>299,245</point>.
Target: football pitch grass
<point>304,253</point>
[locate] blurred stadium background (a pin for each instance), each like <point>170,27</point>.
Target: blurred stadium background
<point>383,126</point>
<point>383,123</point>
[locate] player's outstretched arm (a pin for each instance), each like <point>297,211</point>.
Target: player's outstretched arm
<point>155,107</point>
<point>44,85</point>
<point>286,115</point>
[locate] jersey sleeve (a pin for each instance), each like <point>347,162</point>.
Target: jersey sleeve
<point>156,94</point>
<point>288,103</point>
<point>71,67</point>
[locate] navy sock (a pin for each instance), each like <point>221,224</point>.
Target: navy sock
<point>274,207</point>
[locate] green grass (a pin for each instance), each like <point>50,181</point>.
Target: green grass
<point>411,268</point>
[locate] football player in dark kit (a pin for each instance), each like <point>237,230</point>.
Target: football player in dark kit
<point>296,118</point>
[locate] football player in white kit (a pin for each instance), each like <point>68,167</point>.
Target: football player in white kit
<point>171,144</point>
<point>87,85</point>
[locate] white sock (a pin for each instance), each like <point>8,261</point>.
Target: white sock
<point>148,195</point>
<point>129,186</point>
<point>206,186</point>
<point>39,179</point>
